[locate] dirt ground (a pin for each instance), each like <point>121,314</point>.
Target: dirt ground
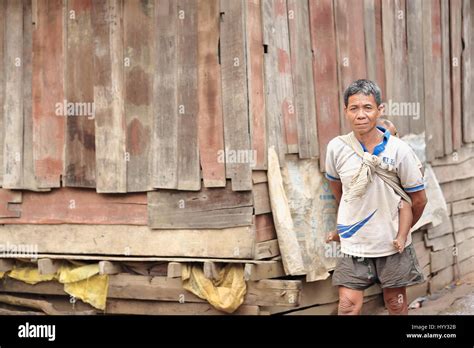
<point>456,299</point>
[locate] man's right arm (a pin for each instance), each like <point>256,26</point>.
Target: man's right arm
<point>336,188</point>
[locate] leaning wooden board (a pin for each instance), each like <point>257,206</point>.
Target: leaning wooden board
<point>138,23</point>
<point>323,41</point>
<point>302,73</point>
<point>49,116</point>
<point>234,95</point>
<point>111,167</point>
<point>80,168</point>
<point>211,127</point>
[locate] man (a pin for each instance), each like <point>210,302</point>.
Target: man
<point>368,224</point>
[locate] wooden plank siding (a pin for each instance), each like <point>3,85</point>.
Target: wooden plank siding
<point>467,78</point>
<point>48,93</point>
<point>138,24</point>
<point>302,73</point>
<point>211,124</point>
<point>235,95</point>
<point>80,168</point>
<point>323,42</point>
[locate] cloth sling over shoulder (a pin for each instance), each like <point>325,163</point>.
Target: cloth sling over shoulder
<point>370,166</point>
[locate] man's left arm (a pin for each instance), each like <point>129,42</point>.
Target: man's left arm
<point>419,201</point>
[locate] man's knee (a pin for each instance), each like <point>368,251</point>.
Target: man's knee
<point>396,303</point>
<point>349,306</point>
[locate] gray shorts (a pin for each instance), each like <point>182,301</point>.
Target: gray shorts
<point>393,271</point>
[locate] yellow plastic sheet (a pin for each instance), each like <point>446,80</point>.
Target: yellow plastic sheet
<point>30,275</point>
<point>82,282</point>
<point>226,293</point>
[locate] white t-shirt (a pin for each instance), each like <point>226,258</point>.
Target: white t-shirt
<point>368,225</point>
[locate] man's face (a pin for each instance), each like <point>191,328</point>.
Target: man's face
<point>362,113</point>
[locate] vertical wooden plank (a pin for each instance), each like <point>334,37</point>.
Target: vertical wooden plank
<point>13,108</point>
<point>2,82</point>
<point>279,101</point>
<point>395,55</point>
<point>455,11</point>
<point>467,82</point>
<point>211,128</point>
<point>432,78</point>
<point>302,72</point>
<point>107,19</point>
<point>415,62</point>
<point>373,42</point>
<point>165,113</point>
<point>234,95</point>
<point>446,78</point>
<point>48,93</point>
<point>138,91</point>
<point>255,53</point>
<point>80,168</point>
<point>189,177</point>
<point>350,48</point>
<point>29,180</point>
<point>323,39</point>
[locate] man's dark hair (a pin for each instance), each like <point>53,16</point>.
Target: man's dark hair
<point>365,87</point>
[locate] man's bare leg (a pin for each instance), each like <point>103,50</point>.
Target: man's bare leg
<point>350,301</point>
<point>396,301</point>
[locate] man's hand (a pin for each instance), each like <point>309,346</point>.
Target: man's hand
<point>419,201</point>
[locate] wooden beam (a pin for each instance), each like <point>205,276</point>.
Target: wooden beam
<point>125,240</point>
<point>211,270</point>
<point>6,265</point>
<point>458,190</point>
<point>264,228</point>
<point>174,270</point>
<point>48,266</point>
<point>107,267</point>
<point>272,269</point>
<point>454,172</point>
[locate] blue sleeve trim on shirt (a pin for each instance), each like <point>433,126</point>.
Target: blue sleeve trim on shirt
<point>416,188</point>
<point>333,178</point>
